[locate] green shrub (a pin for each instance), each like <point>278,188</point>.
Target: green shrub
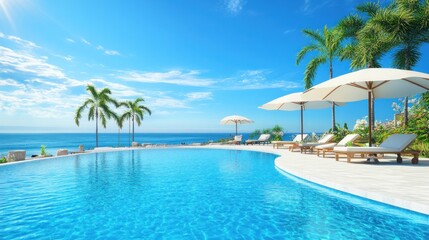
<point>340,132</point>
<point>423,147</point>
<point>3,159</point>
<point>43,150</point>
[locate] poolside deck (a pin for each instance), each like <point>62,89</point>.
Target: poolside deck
<point>403,185</point>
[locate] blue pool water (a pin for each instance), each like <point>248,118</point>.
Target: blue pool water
<point>185,194</point>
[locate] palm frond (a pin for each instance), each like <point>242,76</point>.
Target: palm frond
<point>93,91</point>
<point>406,57</point>
<point>310,70</point>
<point>304,51</point>
<point>368,8</point>
<point>91,113</point>
<point>105,110</point>
<point>350,25</point>
<point>103,119</point>
<point>145,109</point>
<point>315,35</point>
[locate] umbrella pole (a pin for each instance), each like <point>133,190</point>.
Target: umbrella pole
<point>236,129</point>
<point>370,118</point>
<point>302,117</point>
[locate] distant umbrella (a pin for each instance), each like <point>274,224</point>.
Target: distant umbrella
<point>235,119</point>
<point>294,101</point>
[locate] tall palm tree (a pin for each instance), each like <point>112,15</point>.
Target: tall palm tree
<point>407,22</point>
<point>328,46</point>
<point>366,43</point>
<point>98,104</point>
<point>135,112</point>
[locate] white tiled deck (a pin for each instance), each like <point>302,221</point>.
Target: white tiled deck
<point>403,185</point>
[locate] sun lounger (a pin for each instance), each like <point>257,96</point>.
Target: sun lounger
<point>80,150</point>
<point>395,144</point>
<point>264,138</point>
<point>329,147</point>
<point>237,140</point>
<point>290,144</point>
<point>310,145</point>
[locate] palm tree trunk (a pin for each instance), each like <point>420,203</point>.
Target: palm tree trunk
<point>129,132</point>
<point>119,137</point>
<point>96,127</point>
<point>333,117</point>
<point>406,111</point>
<point>331,74</point>
<point>133,128</point>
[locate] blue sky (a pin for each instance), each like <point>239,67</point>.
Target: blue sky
<point>194,62</point>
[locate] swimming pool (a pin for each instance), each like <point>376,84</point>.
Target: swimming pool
<point>185,194</point>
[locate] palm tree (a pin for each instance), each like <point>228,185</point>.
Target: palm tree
<point>328,46</point>
<point>366,43</point>
<point>98,104</point>
<point>407,22</point>
<point>135,112</point>
<point>120,122</point>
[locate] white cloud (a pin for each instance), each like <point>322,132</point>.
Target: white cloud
<point>175,77</point>
<point>112,53</point>
<point>25,62</point>
<point>10,82</point>
<point>194,96</point>
<point>118,90</point>
<point>234,6</point>
<point>168,102</point>
<point>20,41</point>
<point>287,31</point>
<point>24,43</point>
<point>306,6</point>
<point>85,41</point>
<point>107,52</point>
<point>256,79</point>
<point>70,40</point>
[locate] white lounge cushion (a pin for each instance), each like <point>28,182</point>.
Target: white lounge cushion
<point>327,145</point>
<point>395,143</point>
<point>264,137</point>
<point>323,140</point>
<point>366,149</point>
<point>343,142</point>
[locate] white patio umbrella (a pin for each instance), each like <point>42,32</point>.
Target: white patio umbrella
<point>235,119</point>
<point>370,83</point>
<point>294,101</point>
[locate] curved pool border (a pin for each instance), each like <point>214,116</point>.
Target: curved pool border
<point>323,171</point>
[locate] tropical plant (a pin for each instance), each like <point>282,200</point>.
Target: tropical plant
<point>43,150</point>
<point>340,132</point>
<point>419,119</point>
<point>277,133</point>
<point>255,134</point>
<point>3,159</point>
<point>98,104</point>
<point>361,128</point>
<point>365,43</point>
<point>135,112</point>
<point>407,23</point>
<point>328,46</point>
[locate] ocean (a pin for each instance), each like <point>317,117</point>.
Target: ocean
<point>32,142</point>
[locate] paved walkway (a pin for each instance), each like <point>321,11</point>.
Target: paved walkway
<point>403,185</point>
